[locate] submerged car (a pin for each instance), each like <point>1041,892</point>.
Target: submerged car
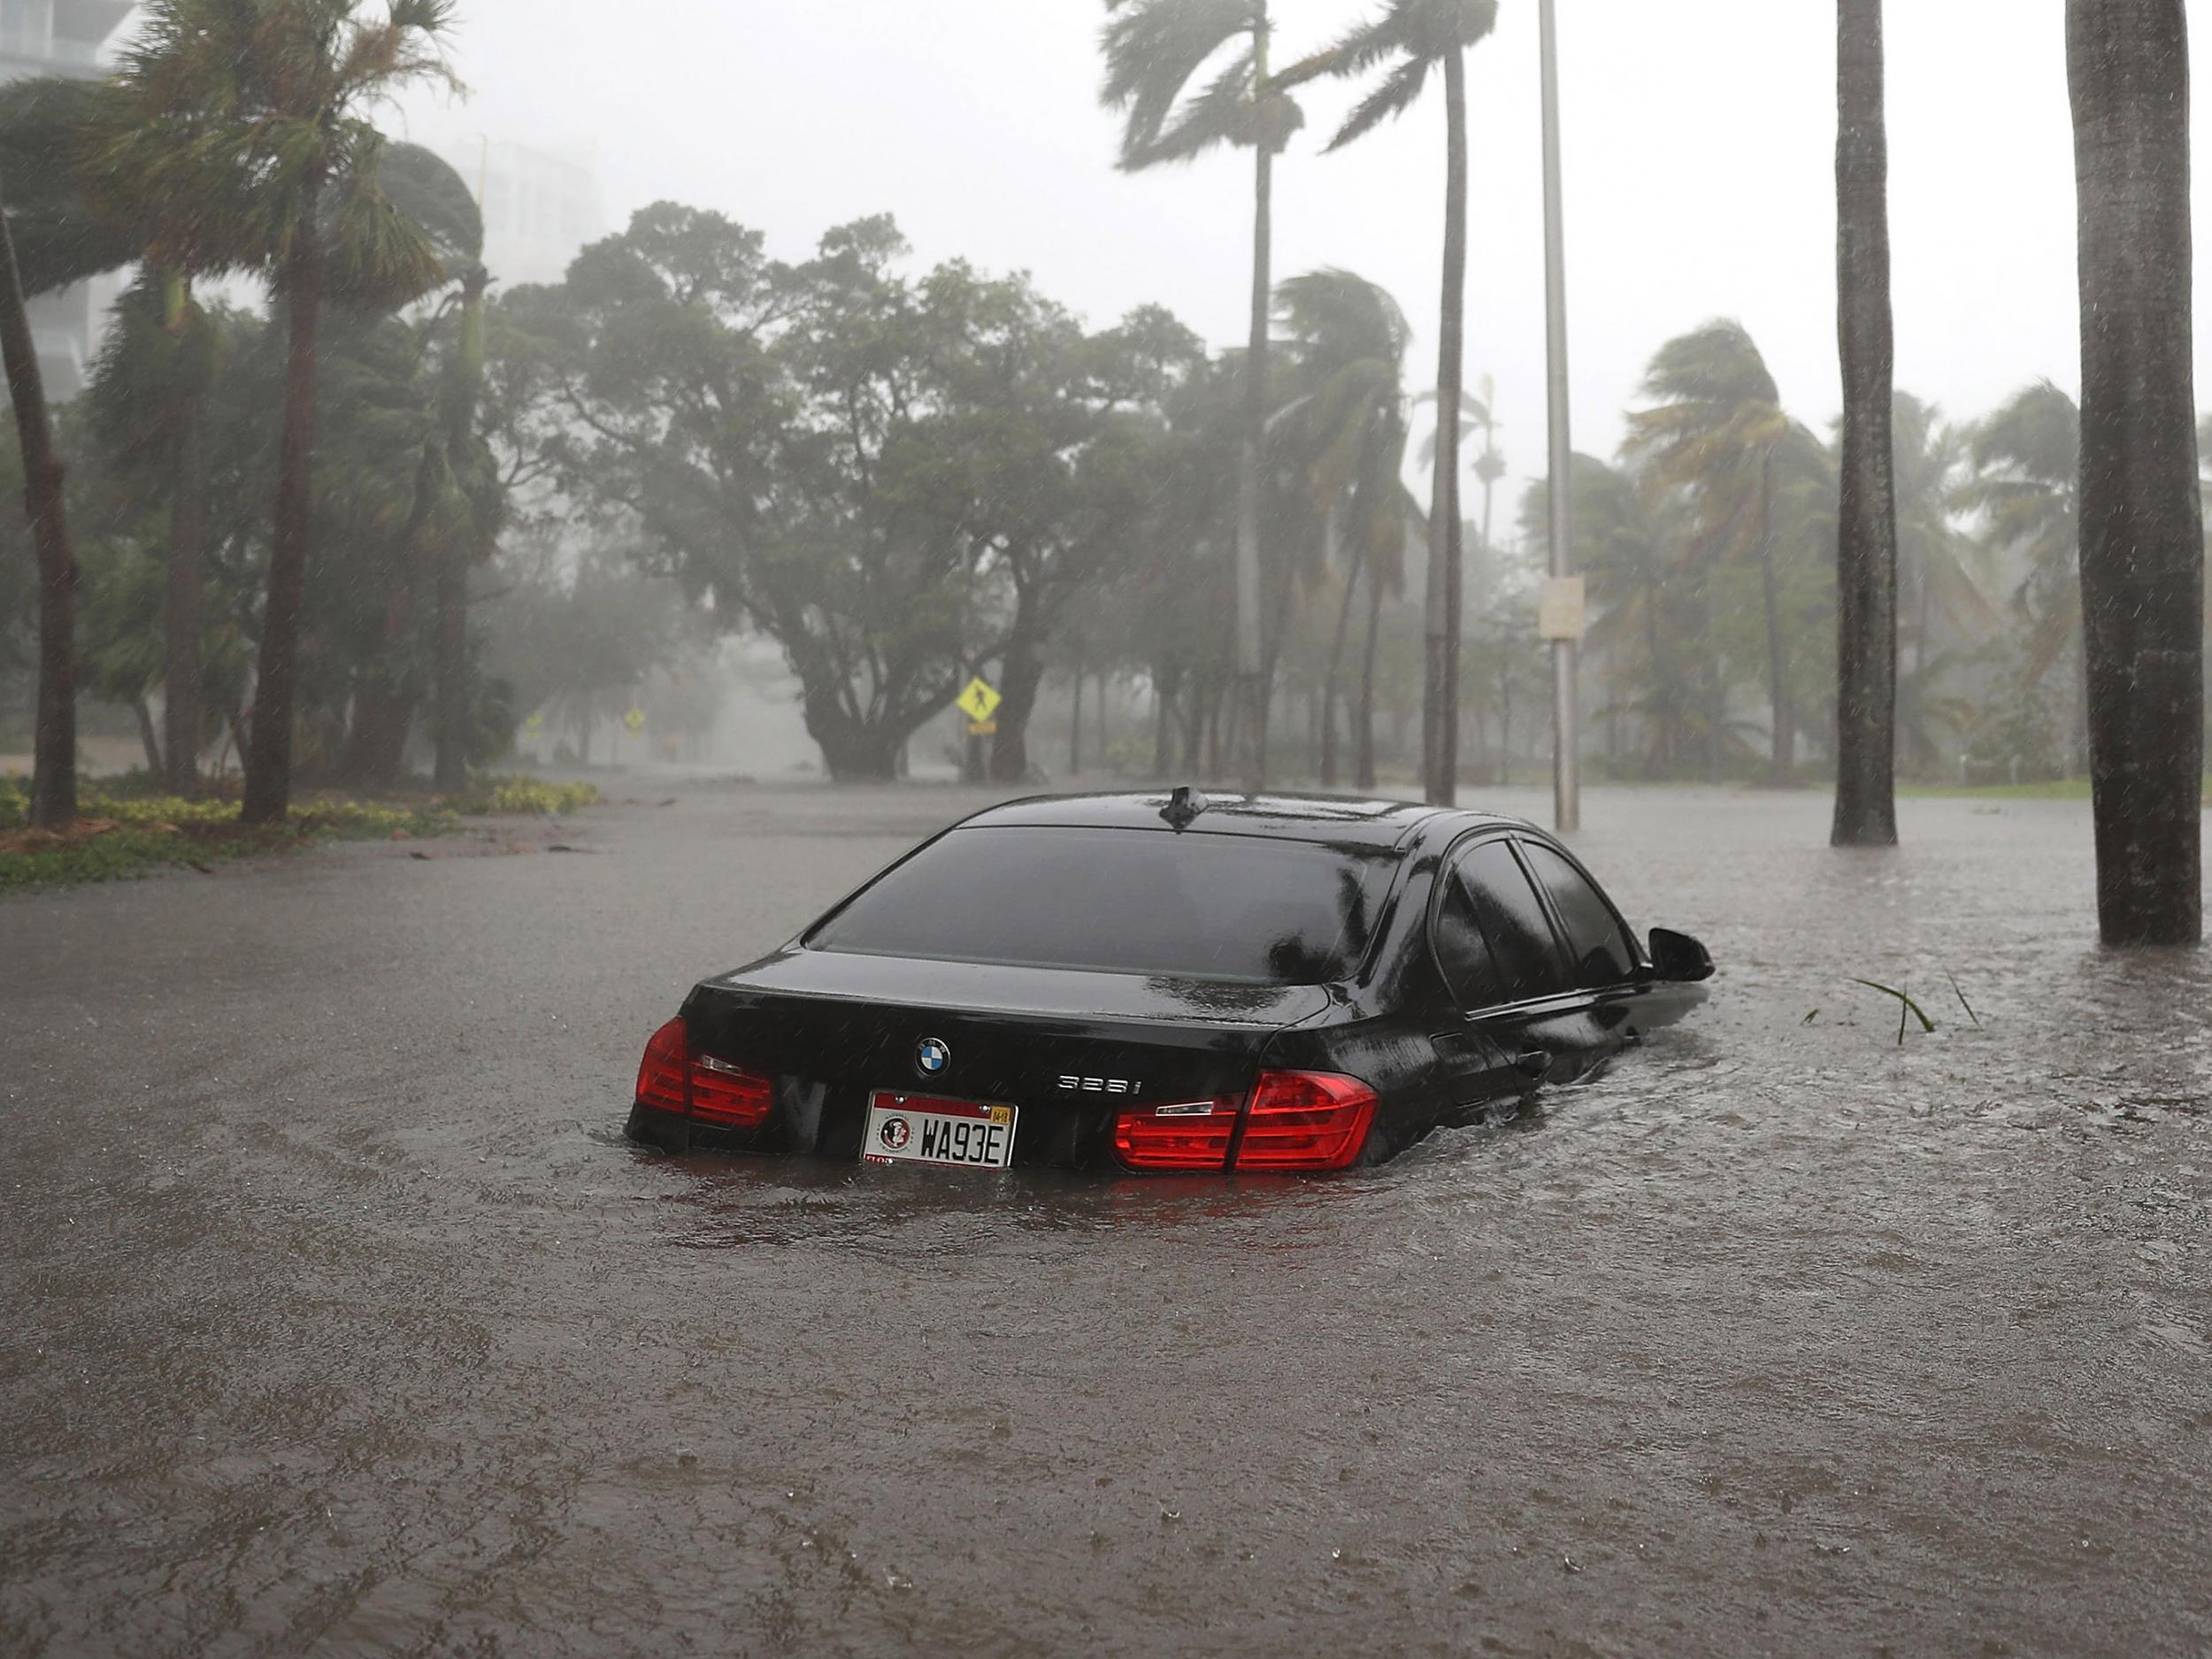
<point>1162,982</point>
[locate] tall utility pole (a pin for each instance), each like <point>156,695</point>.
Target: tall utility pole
<point>1566,766</point>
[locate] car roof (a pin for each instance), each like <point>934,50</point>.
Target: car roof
<point>1338,819</point>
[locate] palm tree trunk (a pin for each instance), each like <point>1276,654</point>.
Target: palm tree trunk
<point>2142,534</point>
<point>451,719</point>
<point>1866,537</point>
<point>54,742</point>
<point>149,740</point>
<point>269,760</point>
<point>1366,722</point>
<point>1439,706</point>
<point>1784,760</point>
<point>180,652</point>
<point>1252,462</point>
<point>1336,666</point>
<point>1075,725</point>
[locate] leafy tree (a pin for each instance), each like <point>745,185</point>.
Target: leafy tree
<point>1412,38</point>
<point>2142,524</point>
<point>1155,52</point>
<point>1866,545</point>
<point>247,115</point>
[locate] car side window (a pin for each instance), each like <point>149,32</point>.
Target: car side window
<point>1602,953</point>
<point>1461,949</point>
<point>1524,952</point>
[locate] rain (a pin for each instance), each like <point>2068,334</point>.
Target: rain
<point>511,512</point>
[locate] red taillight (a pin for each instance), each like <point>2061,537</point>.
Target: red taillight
<point>1191,1136</point>
<point>1305,1120</point>
<point>660,1078</point>
<point>729,1096</point>
<point>671,1079</point>
<point>1294,1121</point>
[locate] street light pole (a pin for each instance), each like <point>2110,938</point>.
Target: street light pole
<point>1566,768</point>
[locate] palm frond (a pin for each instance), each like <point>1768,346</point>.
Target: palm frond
<point>1394,96</point>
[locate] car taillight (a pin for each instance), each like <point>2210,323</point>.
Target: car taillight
<point>1189,1135</point>
<point>1293,1121</point>
<point>1305,1120</point>
<point>671,1079</point>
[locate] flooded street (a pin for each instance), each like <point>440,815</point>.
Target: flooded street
<point>342,1319</point>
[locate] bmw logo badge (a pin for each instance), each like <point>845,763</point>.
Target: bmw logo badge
<point>932,1056</point>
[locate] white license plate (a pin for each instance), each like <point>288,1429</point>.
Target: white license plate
<point>922,1129</point>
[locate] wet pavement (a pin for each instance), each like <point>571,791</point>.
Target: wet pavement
<point>337,1316</point>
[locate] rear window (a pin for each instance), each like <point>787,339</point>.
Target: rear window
<point>1201,906</point>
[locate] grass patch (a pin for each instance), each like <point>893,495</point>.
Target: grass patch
<point>127,829</point>
<point>516,796</point>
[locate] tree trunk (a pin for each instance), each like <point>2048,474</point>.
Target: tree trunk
<point>1075,725</point>
<point>54,740</point>
<point>149,740</point>
<point>1336,667</point>
<point>181,655</point>
<point>451,719</point>
<point>1021,672</point>
<point>1252,463</point>
<point>269,761</point>
<point>1440,703</point>
<point>1366,722</point>
<point>1866,523</point>
<point>1783,766</point>
<point>2142,532</point>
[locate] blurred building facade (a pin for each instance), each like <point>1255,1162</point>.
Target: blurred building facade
<point>542,207</point>
<point>62,37</point>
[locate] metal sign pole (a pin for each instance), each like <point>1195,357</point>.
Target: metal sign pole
<point>1566,769</point>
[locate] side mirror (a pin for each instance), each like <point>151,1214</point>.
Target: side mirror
<point>1678,957</point>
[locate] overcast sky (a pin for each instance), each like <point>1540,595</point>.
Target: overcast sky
<point>1698,163</point>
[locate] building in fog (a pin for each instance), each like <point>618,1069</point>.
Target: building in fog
<point>541,208</point>
<point>62,37</point>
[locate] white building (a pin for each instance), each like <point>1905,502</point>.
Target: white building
<point>62,37</point>
<point>541,208</point>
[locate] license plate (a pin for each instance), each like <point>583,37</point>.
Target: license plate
<point>921,1129</point>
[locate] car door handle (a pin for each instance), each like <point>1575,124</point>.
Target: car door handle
<point>1533,1064</point>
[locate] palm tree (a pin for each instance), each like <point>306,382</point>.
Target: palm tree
<point>1943,614</point>
<point>1156,51</point>
<point>2142,523</point>
<point>1717,433</point>
<point>1346,431</point>
<point>1866,527</point>
<point>54,742</point>
<point>2025,486</point>
<point>248,113</point>
<point>1411,38</point>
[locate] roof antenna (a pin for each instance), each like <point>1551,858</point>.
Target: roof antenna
<point>1183,806</point>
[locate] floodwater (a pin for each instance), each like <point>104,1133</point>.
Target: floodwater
<point>338,1318</point>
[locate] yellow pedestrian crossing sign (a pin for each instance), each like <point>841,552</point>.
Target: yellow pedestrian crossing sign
<point>979,702</point>
<point>634,719</point>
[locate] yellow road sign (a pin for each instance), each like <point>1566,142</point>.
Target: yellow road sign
<point>983,728</point>
<point>634,719</point>
<point>979,702</point>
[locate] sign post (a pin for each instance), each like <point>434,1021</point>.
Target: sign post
<point>978,702</point>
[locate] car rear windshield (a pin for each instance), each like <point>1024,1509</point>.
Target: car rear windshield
<point>1244,908</point>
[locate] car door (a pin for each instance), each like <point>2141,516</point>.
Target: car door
<point>1517,1017</point>
<point>1602,949</point>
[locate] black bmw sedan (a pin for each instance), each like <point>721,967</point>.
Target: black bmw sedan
<point>1255,983</point>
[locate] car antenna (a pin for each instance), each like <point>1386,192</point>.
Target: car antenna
<point>1183,806</point>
